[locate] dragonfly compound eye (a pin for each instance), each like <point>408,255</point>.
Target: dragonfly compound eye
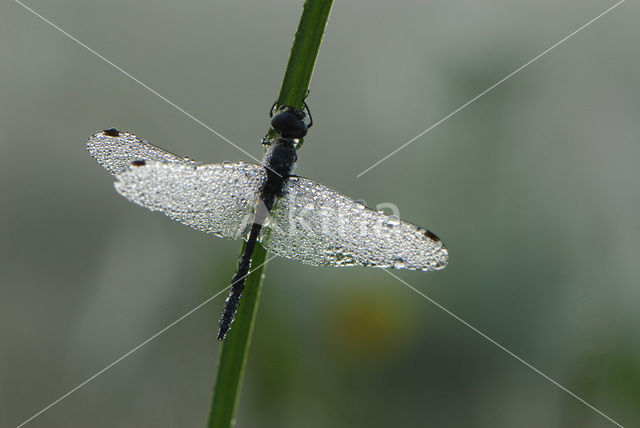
<point>289,123</point>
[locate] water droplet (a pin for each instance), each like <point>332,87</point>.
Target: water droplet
<point>393,221</point>
<point>399,264</point>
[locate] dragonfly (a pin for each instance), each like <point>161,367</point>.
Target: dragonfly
<point>290,216</point>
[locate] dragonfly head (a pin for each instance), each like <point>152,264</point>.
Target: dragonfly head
<point>289,122</point>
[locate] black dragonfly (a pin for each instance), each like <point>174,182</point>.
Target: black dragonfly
<point>290,216</point>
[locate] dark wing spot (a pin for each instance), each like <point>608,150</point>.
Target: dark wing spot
<point>112,132</point>
<point>138,163</point>
<point>431,235</point>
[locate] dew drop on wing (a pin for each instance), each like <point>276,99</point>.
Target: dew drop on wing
<point>392,222</point>
<point>399,264</point>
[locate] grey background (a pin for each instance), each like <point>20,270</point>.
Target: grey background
<point>534,189</point>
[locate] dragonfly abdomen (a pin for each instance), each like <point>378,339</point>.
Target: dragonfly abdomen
<point>237,283</point>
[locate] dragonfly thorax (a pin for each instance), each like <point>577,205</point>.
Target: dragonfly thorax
<point>279,159</point>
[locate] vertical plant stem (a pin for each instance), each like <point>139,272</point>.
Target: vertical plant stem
<point>304,52</point>
<point>235,348</point>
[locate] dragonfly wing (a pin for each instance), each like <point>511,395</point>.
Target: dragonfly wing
<point>213,198</point>
<point>116,150</point>
<point>318,226</point>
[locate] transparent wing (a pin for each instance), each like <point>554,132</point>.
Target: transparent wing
<point>213,198</point>
<point>116,150</point>
<point>318,226</point>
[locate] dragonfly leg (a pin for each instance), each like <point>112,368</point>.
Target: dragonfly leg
<point>273,106</point>
<point>306,107</point>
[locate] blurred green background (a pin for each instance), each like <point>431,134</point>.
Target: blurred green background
<point>534,189</point>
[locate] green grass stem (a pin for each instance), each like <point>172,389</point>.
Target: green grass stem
<point>235,347</point>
